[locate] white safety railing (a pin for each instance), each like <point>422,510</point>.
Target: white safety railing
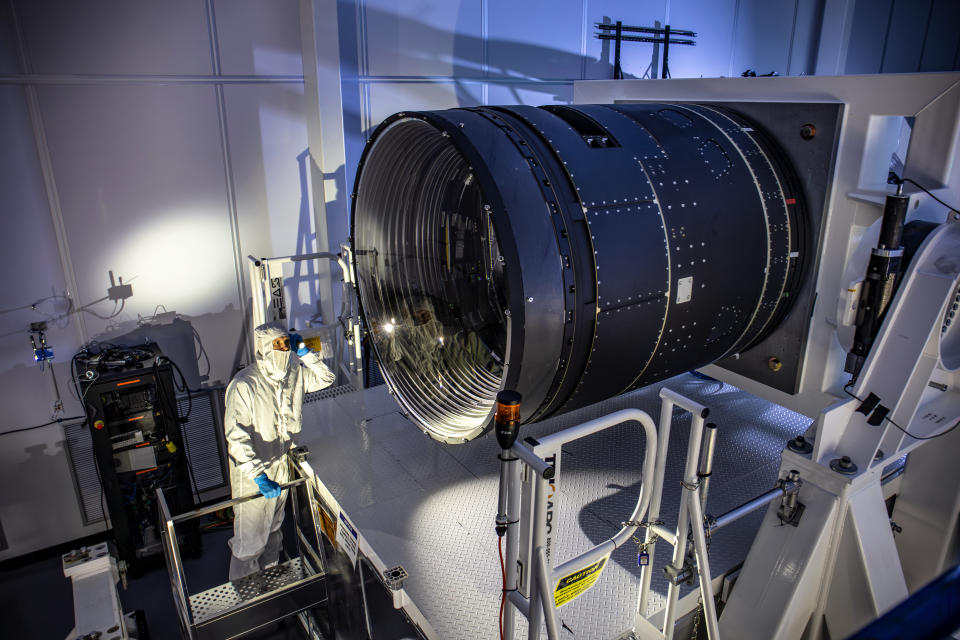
<point>527,518</point>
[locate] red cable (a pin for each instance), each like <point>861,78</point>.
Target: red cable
<point>503,592</point>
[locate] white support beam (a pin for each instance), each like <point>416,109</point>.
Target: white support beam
<point>835,30</point>
<point>320,43</point>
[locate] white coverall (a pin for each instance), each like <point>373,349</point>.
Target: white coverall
<point>263,414</point>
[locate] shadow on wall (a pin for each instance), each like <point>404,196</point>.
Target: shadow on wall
<point>360,117</point>
<point>179,339</point>
<point>303,287</point>
<point>30,513</point>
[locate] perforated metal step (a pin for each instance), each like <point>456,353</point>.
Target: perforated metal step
<point>207,604</point>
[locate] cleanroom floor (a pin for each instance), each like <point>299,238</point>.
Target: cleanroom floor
<point>430,507</point>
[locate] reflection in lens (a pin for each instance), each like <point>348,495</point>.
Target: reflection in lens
<point>430,278</point>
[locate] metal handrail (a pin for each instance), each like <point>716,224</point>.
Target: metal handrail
<point>180,580</point>
<point>175,563</point>
<point>196,513</point>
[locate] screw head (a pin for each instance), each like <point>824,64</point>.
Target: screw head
<point>800,445</point>
<point>808,131</point>
<point>843,465</point>
<point>774,363</point>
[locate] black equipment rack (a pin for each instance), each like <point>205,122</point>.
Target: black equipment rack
<point>134,421</point>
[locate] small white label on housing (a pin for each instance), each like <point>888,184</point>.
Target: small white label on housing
<point>347,538</point>
<point>684,289</point>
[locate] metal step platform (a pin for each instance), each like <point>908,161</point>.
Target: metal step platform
<point>236,608</point>
<point>284,579</point>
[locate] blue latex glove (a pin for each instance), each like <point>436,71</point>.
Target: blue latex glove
<point>268,487</point>
<point>296,342</point>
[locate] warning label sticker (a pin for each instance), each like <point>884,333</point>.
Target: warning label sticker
<point>573,585</point>
<point>347,538</point>
<point>329,525</point>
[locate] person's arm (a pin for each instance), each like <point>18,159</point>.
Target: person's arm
<point>239,428</point>
<point>317,375</point>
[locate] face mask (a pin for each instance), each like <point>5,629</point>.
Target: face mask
<point>278,363</point>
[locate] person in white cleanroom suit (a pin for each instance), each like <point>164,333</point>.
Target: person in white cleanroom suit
<point>263,411</point>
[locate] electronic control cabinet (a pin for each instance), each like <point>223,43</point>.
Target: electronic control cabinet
<point>138,445</point>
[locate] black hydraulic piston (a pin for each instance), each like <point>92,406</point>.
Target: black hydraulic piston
<point>880,283</point>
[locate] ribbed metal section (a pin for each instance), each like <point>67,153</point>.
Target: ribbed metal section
<point>568,253</point>
<point>203,433</point>
<point>85,478</point>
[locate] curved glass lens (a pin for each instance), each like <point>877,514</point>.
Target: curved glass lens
<point>431,279</point>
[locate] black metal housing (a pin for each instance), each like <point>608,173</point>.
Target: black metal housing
<point>131,408</point>
<point>590,249</point>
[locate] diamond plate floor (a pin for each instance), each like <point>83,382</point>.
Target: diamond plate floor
<point>431,507</point>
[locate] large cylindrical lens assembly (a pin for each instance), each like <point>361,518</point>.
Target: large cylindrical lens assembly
<point>569,253</point>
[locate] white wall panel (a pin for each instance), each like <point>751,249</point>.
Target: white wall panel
<point>942,44</point>
<point>635,57</point>
<point>268,140</point>
<point>867,36</point>
<point>763,36</point>
<point>268,144</point>
<point>9,60</point>
<point>116,36</point>
<point>33,465</point>
<point>422,37</point>
<point>533,94</point>
<point>38,506</point>
<point>387,98</point>
<point>259,38</point>
<point>141,180</point>
<point>905,36</point>
<point>29,261</point>
<point>535,39</point>
<point>713,22</point>
<point>806,37</point>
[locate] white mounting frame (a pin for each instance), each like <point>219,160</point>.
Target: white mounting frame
<point>268,304</point>
<point>841,566</point>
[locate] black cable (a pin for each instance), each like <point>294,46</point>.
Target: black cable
<point>888,419</point>
<point>898,180</point>
<point>503,591</point>
<point>203,351</point>
<point>40,426</point>
<point>183,421</point>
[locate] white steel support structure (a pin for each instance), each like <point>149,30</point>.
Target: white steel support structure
<point>842,565</point>
<point>94,573</point>
<point>320,48</point>
<point>268,305</point>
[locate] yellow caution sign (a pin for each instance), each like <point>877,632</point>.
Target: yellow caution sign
<point>573,585</point>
